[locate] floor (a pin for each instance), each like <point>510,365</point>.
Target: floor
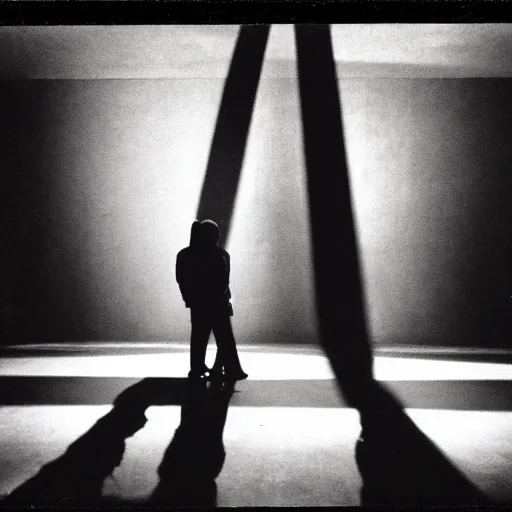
<point>289,439</point>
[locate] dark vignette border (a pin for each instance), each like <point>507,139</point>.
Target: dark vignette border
<point>127,12</point>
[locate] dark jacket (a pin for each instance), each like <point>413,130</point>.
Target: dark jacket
<point>203,277</point>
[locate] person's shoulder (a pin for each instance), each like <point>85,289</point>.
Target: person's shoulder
<point>225,255</point>
<point>183,252</point>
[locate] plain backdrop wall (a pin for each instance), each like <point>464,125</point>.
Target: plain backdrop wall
<point>111,172</point>
<point>101,179</point>
<point>430,162</point>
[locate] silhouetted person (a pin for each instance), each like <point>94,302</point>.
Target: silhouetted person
<point>202,272</point>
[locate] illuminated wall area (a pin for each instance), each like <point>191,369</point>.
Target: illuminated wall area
<point>430,164</point>
<point>102,177</point>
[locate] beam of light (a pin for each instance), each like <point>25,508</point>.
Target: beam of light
<point>269,243</point>
<point>227,151</point>
<point>260,364</point>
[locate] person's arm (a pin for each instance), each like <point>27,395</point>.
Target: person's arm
<point>180,270</point>
<point>228,264</point>
<point>218,276</point>
<point>227,271</point>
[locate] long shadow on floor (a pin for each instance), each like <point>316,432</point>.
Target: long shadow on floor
<point>399,465</point>
<point>196,454</point>
<point>187,474</point>
<point>76,477</point>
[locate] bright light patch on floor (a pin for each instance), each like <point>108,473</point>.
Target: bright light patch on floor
<point>274,456</point>
<point>403,368</point>
<point>478,442</point>
<point>259,364</point>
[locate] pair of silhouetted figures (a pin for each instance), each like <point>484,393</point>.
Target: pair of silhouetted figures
<point>397,463</point>
<point>202,272</point>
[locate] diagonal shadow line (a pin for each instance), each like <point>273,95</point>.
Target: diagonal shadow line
<point>339,297</point>
<point>224,167</point>
<point>400,465</point>
<point>340,306</point>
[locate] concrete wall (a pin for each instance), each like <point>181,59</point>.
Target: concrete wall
<point>102,179</point>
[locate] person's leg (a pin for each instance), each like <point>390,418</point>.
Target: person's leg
<point>226,346</point>
<point>201,328</point>
<point>218,365</point>
<point>220,358</point>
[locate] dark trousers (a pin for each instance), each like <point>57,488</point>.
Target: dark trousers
<point>203,322</point>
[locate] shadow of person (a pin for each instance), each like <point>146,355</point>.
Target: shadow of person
<point>76,477</point>
<point>196,454</point>
<point>399,465</point>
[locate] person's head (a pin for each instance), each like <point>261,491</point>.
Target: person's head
<point>194,233</point>
<point>209,233</point>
